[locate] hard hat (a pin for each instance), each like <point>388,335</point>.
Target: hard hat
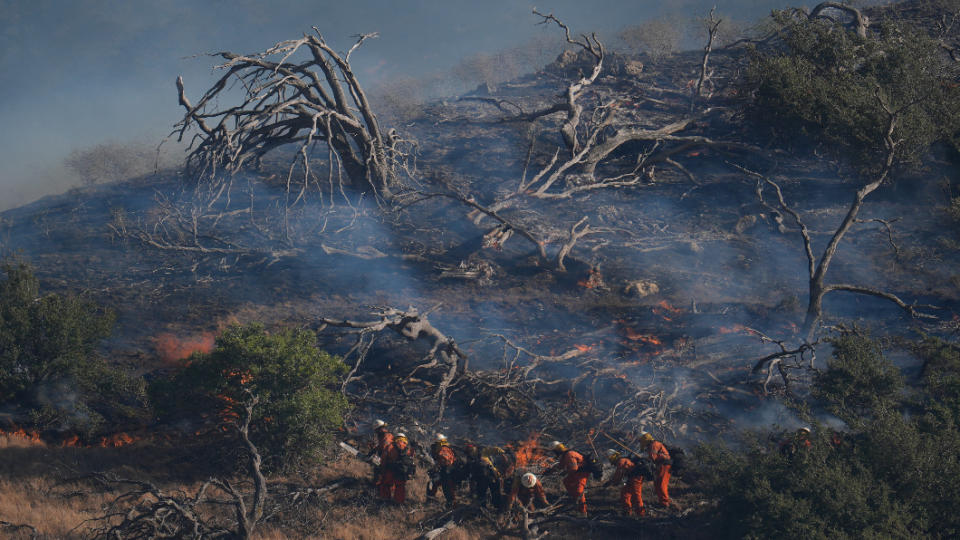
<point>441,437</point>
<point>613,455</point>
<point>528,480</point>
<point>378,423</point>
<point>804,429</point>
<point>557,446</point>
<point>400,437</point>
<point>645,439</point>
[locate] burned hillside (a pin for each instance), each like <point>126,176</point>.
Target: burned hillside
<point>609,246</point>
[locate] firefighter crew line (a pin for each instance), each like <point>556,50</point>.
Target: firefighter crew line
<point>495,477</point>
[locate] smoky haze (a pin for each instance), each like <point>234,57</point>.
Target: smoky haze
<point>86,72</point>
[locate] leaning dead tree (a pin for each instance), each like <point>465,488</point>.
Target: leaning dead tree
<point>298,92</point>
<point>147,512</point>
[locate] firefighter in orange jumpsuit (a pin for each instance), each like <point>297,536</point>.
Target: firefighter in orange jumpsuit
<point>526,489</point>
<point>383,441</point>
<point>661,459</point>
<point>398,467</point>
<point>799,441</point>
<point>445,460</point>
<point>631,498</point>
<point>575,481</point>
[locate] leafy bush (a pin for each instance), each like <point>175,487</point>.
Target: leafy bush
<point>293,379</point>
<point>826,86</point>
<point>48,360</point>
<point>858,381</point>
<point>893,475</point>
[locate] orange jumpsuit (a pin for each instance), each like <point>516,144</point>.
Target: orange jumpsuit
<point>445,458</point>
<point>661,458</point>
<point>392,484</point>
<point>576,480</point>
<point>630,493</point>
<point>526,495</point>
<point>384,440</point>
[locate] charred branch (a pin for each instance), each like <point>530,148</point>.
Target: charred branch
<point>145,511</point>
<point>593,48</point>
<point>411,324</point>
<point>860,22</point>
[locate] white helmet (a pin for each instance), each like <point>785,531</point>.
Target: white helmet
<point>611,453</point>
<point>441,437</point>
<point>528,480</point>
<point>555,445</point>
<point>804,430</point>
<point>378,423</point>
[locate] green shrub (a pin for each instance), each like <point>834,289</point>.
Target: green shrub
<point>821,87</point>
<point>858,382</point>
<point>48,359</point>
<point>294,381</point>
<point>891,475</point>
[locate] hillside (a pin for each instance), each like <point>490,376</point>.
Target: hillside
<point>525,288</point>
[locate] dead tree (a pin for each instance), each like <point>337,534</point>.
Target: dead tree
<point>713,26</point>
<point>817,267</point>
<point>412,325</point>
<point>289,100</point>
<point>147,512</point>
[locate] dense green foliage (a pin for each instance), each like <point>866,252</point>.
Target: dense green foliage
<point>48,360</point>
<point>824,85</point>
<point>891,475</point>
<point>290,376</point>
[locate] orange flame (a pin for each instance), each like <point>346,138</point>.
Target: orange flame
<point>171,348</point>
<point>528,453</point>
<point>584,348</point>
<point>665,310</point>
<point>73,441</point>
<point>634,335</point>
<point>116,441</point>
<point>32,437</point>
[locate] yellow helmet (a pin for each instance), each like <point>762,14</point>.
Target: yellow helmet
<point>613,456</point>
<point>400,438</point>
<point>645,439</point>
<point>558,446</point>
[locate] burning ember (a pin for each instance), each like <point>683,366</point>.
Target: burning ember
<point>584,348</point>
<point>736,328</point>
<point>666,311</point>
<point>593,280</point>
<point>172,348</point>
<point>634,335</point>
<point>116,441</point>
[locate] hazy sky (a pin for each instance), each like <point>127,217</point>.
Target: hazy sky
<point>75,73</point>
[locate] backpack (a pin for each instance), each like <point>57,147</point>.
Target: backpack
<point>405,467</point>
<point>641,468</point>
<point>592,466</point>
<point>678,460</point>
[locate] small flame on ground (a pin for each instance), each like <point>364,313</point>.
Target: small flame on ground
<point>117,440</point>
<point>32,437</point>
<point>584,348</point>
<point>172,348</point>
<point>666,311</point>
<point>634,335</point>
